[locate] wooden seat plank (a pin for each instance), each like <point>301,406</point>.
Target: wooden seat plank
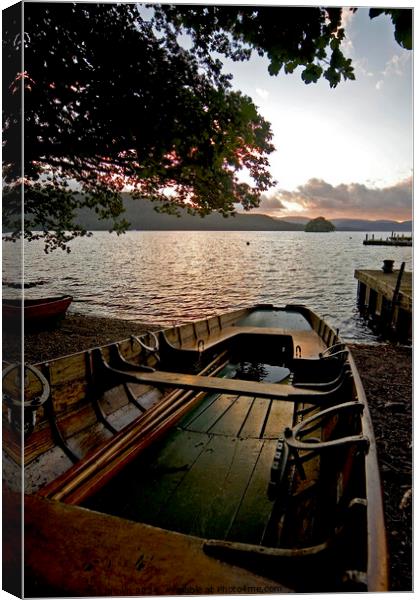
<point>218,384</point>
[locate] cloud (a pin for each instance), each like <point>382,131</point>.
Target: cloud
<point>347,16</point>
<point>262,93</point>
<point>396,65</point>
<point>361,67</point>
<point>353,199</point>
<point>271,203</point>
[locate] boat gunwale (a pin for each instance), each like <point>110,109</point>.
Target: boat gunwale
<point>29,302</point>
<point>36,310</point>
<point>306,312</point>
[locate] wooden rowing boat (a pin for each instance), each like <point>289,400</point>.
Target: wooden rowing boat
<point>234,454</point>
<point>36,309</point>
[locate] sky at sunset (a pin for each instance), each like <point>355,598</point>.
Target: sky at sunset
<point>343,152</point>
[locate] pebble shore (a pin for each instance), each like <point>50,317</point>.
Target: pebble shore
<point>386,372</point>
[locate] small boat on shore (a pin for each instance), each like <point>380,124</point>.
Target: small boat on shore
<point>234,454</point>
<point>36,310</point>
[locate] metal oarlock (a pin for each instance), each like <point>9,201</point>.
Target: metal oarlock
<point>21,414</point>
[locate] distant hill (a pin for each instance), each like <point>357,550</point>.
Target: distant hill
<point>143,217</point>
<point>359,224</point>
<point>320,224</point>
<point>363,225</point>
<point>296,219</point>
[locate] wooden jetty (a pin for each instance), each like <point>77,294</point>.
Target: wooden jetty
<point>385,296</point>
<point>392,240</point>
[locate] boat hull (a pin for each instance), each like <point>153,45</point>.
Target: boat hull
<point>36,310</point>
<point>244,439</point>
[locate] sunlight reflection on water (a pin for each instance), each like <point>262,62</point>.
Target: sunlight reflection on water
<point>175,276</point>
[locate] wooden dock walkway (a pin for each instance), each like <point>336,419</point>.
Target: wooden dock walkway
<point>393,240</point>
<point>386,297</point>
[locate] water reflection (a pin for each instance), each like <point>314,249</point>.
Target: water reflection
<point>174,276</point>
<point>256,371</point>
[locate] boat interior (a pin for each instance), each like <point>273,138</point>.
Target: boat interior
<point>244,430</point>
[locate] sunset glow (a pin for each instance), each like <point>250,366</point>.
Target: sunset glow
<point>343,152</point>
<point>317,197</point>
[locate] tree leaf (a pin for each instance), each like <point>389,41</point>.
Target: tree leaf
<point>312,73</point>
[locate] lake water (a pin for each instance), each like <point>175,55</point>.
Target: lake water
<point>169,277</point>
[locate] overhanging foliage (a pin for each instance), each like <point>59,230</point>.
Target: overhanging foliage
<point>113,101</point>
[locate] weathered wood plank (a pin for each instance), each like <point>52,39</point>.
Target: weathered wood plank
<point>150,481</point>
<point>213,411</point>
<point>109,556</point>
<point>123,416</point>
<point>253,425</point>
<point>253,515</point>
<point>69,395</point>
<point>218,384</point>
<point>40,441</point>
<point>280,416</point>
<point>233,418</point>
<point>114,399</point>
<point>74,421</point>
<point>220,516</point>
<point>190,507</point>
<point>45,468</point>
<point>197,411</point>
<point>385,284</point>
<point>67,369</point>
<point>88,439</point>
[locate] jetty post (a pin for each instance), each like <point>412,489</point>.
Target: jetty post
<point>385,298</point>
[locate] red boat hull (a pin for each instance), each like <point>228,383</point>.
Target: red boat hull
<point>38,309</point>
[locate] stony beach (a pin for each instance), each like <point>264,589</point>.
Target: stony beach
<point>386,372</point>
